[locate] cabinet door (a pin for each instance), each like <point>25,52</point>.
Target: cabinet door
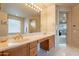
<point>45,45</point>
<point>48,43</point>
<point>23,50</point>
<point>33,44</point>
<point>18,51</point>
<point>33,51</point>
<point>51,41</point>
<point>1,53</point>
<point>33,48</point>
<point>12,52</point>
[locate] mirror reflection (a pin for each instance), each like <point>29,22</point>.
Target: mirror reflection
<point>21,18</point>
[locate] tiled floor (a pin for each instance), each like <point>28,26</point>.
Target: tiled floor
<point>68,51</point>
<point>61,39</point>
<point>60,49</point>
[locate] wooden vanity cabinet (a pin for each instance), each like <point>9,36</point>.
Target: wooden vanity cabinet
<point>48,44</point>
<point>33,48</point>
<point>45,45</point>
<point>1,53</point>
<point>29,49</point>
<point>18,51</point>
<point>51,41</point>
<point>4,54</point>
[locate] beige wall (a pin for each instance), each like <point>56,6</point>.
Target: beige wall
<point>74,27</point>
<point>0,6</point>
<point>3,27</point>
<point>69,28</point>
<point>48,19</point>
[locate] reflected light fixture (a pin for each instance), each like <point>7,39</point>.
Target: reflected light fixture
<point>33,6</point>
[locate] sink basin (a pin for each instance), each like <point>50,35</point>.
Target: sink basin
<point>20,40</point>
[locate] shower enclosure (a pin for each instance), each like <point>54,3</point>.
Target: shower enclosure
<point>61,28</point>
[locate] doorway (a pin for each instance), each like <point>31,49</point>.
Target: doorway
<point>61,29</point>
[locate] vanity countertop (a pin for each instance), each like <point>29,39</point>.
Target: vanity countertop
<point>26,39</point>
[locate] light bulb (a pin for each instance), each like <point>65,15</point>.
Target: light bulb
<point>35,7</point>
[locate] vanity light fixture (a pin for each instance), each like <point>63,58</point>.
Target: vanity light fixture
<point>33,6</point>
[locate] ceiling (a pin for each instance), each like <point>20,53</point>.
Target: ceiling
<point>43,5</point>
<point>66,4</point>
<point>18,9</point>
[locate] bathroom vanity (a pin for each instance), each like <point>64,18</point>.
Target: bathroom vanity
<point>28,46</point>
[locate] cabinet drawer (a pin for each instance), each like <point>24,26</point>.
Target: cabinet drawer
<point>42,40</point>
<point>33,51</point>
<point>33,44</point>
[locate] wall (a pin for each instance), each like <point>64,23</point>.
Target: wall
<point>74,21</point>
<point>3,27</point>
<point>48,19</point>
<point>0,6</point>
<point>69,28</point>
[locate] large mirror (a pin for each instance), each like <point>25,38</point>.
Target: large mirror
<point>19,17</point>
